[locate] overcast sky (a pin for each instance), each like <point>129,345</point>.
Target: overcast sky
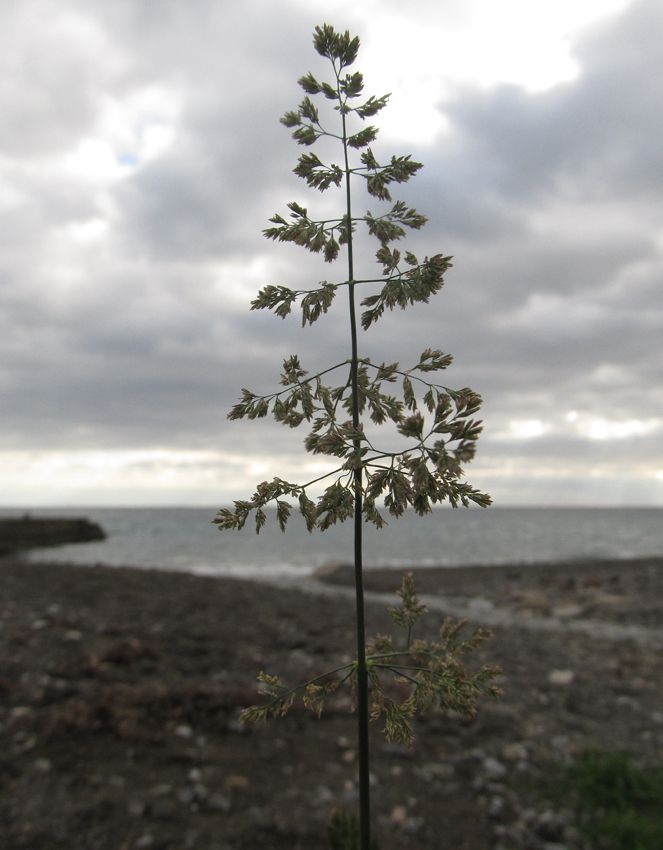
<point>141,155</point>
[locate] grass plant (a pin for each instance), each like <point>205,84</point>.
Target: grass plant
<point>435,425</point>
<point>618,804</point>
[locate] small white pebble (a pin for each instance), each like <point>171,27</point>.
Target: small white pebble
<point>398,815</point>
<point>561,677</point>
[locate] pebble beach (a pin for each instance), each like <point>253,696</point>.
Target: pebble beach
<point>121,691</point>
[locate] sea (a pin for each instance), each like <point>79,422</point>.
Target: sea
<point>185,539</point>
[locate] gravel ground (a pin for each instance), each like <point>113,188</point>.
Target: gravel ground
<point>120,692</point>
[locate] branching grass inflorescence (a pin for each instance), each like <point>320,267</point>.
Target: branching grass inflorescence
<point>437,424</point>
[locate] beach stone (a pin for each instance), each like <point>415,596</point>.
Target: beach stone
<point>568,611</point>
<point>533,601</point>
<point>191,839</point>
<point>561,743</point>
<point>502,710</point>
<point>323,795</point>
<point>397,751</point>
<point>479,605</point>
<point>412,825</point>
<point>435,770</point>
<point>42,765</point>
<point>236,782</point>
<point>136,808</point>
<point>164,808</point>
<point>162,790</point>
<point>260,816</point>
<point>144,841</point>
<point>492,768</point>
<point>627,702</point>
<point>571,834</point>
<point>398,815</point>
<point>514,751</point>
<point>495,805</point>
<point>200,791</point>
<point>218,802</point>
<point>350,793</point>
<point>183,731</point>
<point>302,658</point>
<point>186,795</point>
<point>550,824</point>
<point>601,599</point>
<point>561,677</point>
<point>472,758</point>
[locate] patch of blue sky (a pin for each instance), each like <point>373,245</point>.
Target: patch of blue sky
<point>127,159</point>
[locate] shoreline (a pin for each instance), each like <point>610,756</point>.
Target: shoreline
<point>121,690</point>
<point>622,590</point>
<point>38,555</point>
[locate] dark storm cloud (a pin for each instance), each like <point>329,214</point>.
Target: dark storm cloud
<point>549,201</point>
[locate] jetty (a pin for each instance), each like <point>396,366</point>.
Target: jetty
<point>27,532</point>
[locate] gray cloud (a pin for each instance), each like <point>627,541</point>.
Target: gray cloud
<point>594,137</point>
<point>549,202</point>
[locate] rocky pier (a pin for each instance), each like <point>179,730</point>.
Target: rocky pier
<point>26,532</point>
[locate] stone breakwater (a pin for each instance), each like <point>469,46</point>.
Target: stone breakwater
<point>26,532</point>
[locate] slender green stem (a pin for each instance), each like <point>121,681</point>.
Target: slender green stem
<point>300,383</point>
<point>407,373</point>
<point>313,681</point>
<point>362,674</point>
<point>397,672</point>
<point>321,477</point>
<point>379,656</point>
<point>396,653</point>
<point>347,384</point>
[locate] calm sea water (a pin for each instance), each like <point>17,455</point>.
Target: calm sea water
<point>185,539</point>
